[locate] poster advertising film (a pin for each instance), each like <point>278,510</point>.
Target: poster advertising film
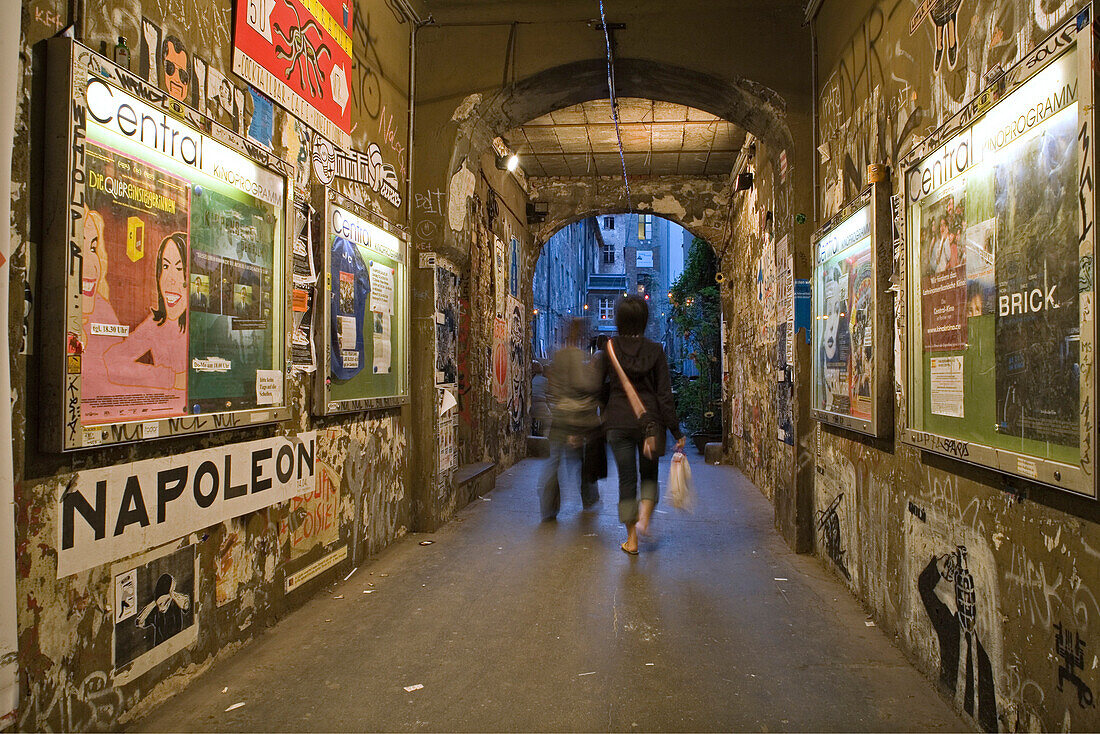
<point>848,324</point>
<point>365,324</point>
<point>999,280</point>
<point>174,305</point>
<point>299,53</point>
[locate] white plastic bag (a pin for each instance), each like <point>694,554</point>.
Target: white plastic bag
<point>680,487</point>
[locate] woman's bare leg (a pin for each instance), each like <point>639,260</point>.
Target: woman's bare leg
<point>645,514</point>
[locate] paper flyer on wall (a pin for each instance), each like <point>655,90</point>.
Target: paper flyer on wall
<point>303,355</point>
<point>947,382</point>
<point>381,288</point>
<point>943,274</point>
<point>383,344</point>
<point>500,276</point>
<point>447,443</point>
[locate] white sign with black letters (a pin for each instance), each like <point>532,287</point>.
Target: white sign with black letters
<point>107,514</point>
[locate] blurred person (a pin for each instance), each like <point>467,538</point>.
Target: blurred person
<point>540,409</point>
<point>644,364</point>
<point>574,385</point>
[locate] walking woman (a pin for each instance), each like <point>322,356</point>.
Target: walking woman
<point>639,411</point>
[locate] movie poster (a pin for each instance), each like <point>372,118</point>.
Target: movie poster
<point>861,333</point>
<point>350,290</point>
<point>844,326</point>
<point>233,314</point>
<point>1037,315</point>
<point>133,347</point>
<point>943,259</point>
<point>836,341</point>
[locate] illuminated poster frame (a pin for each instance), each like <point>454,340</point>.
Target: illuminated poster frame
<point>999,331</point>
<point>364,307</point>
<point>851,281</point>
<point>138,342</point>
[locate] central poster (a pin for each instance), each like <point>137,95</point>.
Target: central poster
<point>366,312</point>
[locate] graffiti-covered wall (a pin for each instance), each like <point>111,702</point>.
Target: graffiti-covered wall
<point>989,585</point>
<point>103,643</point>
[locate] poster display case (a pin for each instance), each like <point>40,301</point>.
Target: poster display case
<point>999,287</point>
<point>852,315</point>
<point>364,329</point>
<point>164,263</point>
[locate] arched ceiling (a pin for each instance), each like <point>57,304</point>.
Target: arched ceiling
<point>659,139</point>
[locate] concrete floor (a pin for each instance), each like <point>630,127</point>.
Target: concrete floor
<point>513,625</point>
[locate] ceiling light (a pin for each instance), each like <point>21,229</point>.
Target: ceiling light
<point>513,162</point>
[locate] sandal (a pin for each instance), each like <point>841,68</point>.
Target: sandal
<point>626,550</point>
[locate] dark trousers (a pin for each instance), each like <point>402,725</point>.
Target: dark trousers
<point>632,464</point>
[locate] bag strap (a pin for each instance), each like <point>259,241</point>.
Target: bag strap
<point>628,386</point>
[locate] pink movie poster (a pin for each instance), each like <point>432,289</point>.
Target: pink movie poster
<point>133,342</point>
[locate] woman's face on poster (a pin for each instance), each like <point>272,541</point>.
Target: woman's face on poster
<point>173,281</point>
<point>91,261</point>
<point>834,310</point>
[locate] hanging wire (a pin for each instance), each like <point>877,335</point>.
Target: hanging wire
<point>615,104</point>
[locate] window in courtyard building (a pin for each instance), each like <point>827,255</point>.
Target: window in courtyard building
<point>645,226</point>
<point>609,253</point>
<point>609,222</point>
<point>607,308</point>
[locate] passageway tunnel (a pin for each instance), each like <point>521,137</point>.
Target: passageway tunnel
<point>279,270</point>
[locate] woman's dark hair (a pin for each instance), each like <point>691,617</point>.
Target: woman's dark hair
<point>631,316</point>
<point>160,313</point>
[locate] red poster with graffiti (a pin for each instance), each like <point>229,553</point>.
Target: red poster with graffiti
<point>298,52</point>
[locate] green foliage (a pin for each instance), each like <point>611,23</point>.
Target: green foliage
<point>696,306</point>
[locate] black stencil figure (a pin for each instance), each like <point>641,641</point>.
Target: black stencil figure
<point>829,524</point>
<point>165,613</point>
<point>945,16</point>
<point>947,589</point>
<point>1071,648</point>
<point>302,54</point>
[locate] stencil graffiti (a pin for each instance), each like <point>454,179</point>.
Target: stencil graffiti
<point>1071,648</point>
<point>950,598</point>
<point>829,525</point>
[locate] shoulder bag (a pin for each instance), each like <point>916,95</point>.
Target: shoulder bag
<point>649,426</point>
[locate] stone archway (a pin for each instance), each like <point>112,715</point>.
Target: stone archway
<point>699,205</point>
<point>760,111</point>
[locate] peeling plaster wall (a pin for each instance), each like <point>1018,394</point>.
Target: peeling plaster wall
<point>362,500</point>
<point>1033,554</point>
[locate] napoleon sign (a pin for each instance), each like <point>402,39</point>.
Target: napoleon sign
<point>108,514</point>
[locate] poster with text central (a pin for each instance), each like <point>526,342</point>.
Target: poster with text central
<point>367,308</point>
